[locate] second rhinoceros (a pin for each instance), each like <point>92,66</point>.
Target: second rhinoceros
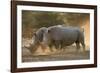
<point>64,36</point>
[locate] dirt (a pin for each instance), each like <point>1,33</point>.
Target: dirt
<point>69,53</point>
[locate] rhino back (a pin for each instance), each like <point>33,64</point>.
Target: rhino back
<point>64,33</point>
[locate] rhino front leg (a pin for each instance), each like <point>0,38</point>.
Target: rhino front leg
<point>57,45</point>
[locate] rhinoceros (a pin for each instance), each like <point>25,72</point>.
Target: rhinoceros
<point>37,39</point>
<point>64,36</point>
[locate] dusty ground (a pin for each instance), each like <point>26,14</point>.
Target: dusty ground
<point>69,53</point>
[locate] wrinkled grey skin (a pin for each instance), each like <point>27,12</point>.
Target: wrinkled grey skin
<point>64,36</point>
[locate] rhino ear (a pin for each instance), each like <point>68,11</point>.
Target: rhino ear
<point>48,31</point>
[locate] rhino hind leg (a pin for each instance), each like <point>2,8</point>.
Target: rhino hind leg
<point>77,45</point>
<point>83,45</point>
